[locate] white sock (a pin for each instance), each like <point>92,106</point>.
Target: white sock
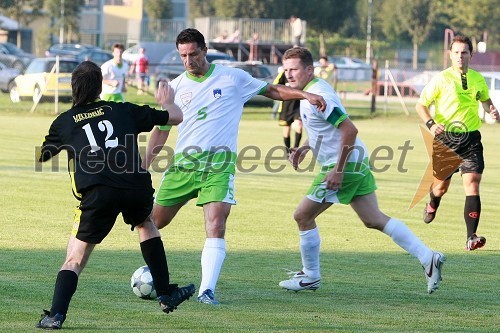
<point>309,250</point>
<point>405,238</point>
<point>212,257</point>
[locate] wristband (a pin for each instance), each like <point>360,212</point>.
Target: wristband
<point>430,123</point>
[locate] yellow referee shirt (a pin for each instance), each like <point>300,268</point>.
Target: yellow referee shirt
<point>456,107</point>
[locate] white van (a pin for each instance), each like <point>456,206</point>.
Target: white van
<point>155,51</point>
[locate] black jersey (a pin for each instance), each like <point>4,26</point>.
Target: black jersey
<point>101,141</point>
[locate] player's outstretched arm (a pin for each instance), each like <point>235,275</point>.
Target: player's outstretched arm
<point>155,144</point>
<point>283,93</point>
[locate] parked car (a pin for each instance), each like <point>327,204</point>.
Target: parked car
<point>350,69</point>
<point>38,81</point>
<point>97,56</point>
<point>171,65</point>
<point>12,56</point>
<point>68,50</point>
<point>7,76</point>
<point>348,62</point>
<point>258,70</point>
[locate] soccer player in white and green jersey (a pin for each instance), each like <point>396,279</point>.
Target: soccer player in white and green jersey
<point>345,178</point>
<point>211,98</point>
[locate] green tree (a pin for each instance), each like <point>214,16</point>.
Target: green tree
<point>201,8</point>
<point>248,8</point>
<point>70,22</point>
<point>473,19</point>
<point>15,9</point>
<point>158,10</point>
<point>417,18</point>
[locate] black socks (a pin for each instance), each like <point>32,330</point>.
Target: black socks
<point>154,256</point>
<point>472,212</point>
<point>64,289</point>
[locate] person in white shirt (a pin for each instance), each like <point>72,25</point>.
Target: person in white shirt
<point>211,97</point>
<point>296,24</point>
<point>114,74</point>
<point>345,177</point>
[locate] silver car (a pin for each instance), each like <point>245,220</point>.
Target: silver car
<point>12,56</point>
<point>171,65</point>
<point>7,76</point>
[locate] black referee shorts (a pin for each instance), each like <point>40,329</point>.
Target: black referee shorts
<point>290,111</point>
<point>100,206</point>
<point>457,151</point>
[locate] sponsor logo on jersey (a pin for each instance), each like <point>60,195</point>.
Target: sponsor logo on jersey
<point>86,115</point>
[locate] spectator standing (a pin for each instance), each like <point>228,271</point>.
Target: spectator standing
<point>296,24</point>
<point>141,68</point>
<point>324,70</point>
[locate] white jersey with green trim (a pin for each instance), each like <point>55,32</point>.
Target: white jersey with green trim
<point>322,127</point>
<point>111,71</point>
<point>212,106</point>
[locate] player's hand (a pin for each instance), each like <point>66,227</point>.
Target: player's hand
<point>317,100</point>
<point>494,113</point>
<point>437,129</point>
<point>165,93</point>
<point>297,155</point>
<point>333,179</point>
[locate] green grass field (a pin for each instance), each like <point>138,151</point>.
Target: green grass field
<point>368,283</point>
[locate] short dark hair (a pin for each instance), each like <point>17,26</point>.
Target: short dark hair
<point>118,46</point>
<point>191,35</point>
<point>301,53</point>
<point>86,83</point>
<point>464,40</point>
<point>324,58</point>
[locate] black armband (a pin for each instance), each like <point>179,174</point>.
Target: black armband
<point>430,123</point>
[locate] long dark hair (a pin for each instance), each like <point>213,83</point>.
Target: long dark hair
<point>86,83</point>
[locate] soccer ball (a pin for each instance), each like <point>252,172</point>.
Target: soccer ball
<point>142,283</point>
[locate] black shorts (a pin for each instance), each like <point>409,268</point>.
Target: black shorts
<point>100,206</point>
<point>290,111</point>
<point>457,151</point>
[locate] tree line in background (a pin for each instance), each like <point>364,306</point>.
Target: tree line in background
<point>339,26</point>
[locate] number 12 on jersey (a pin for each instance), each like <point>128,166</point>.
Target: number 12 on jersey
<point>104,126</point>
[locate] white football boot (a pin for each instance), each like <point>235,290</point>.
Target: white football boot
<point>300,281</point>
<point>433,271</point>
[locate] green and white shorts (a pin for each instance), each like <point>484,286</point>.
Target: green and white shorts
<point>358,180</point>
<point>179,186</point>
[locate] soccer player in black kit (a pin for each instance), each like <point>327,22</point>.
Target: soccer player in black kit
<point>105,169</point>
